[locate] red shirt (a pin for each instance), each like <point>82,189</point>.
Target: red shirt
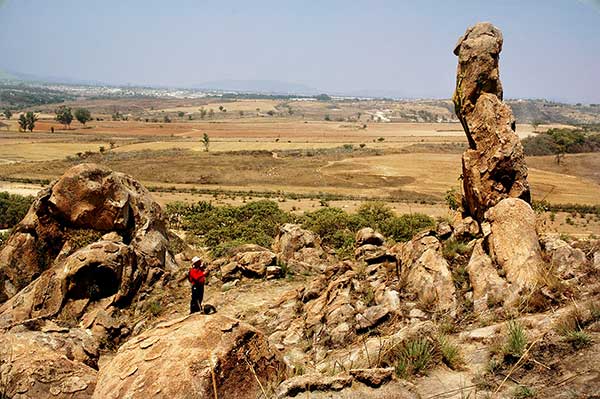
<point>197,276</point>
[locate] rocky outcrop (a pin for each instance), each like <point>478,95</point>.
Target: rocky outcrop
<point>568,262</point>
<point>489,288</point>
<point>300,249</point>
<point>52,363</point>
<point>493,166</point>
<point>507,262</point>
<point>87,202</point>
<point>101,272</point>
<point>426,272</point>
<point>370,247</point>
<point>356,383</point>
<point>248,260</point>
<point>187,357</point>
<point>513,242</point>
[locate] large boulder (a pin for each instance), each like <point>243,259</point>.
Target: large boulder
<point>567,261</point>
<point>87,202</point>
<point>186,357</point>
<point>493,166</point>
<point>299,248</point>
<point>48,364</point>
<point>102,270</point>
<point>513,243</point>
<point>426,272</point>
<point>488,287</point>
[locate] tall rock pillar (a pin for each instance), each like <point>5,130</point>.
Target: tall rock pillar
<point>493,166</point>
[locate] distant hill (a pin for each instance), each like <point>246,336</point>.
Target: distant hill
<point>257,86</point>
<point>7,76</point>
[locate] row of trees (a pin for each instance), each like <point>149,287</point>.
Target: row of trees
<point>65,116</point>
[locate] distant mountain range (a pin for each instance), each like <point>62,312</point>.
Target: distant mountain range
<point>18,76</point>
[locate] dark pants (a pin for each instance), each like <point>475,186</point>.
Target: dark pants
<point>197,295</point>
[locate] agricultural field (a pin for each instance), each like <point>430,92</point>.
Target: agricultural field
<point>258,148</point>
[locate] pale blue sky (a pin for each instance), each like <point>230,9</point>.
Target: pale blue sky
<point>551,47</point>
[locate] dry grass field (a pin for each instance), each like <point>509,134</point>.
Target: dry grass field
<point>410,164</point>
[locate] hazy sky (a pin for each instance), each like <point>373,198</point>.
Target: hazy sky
<point>551,47</point>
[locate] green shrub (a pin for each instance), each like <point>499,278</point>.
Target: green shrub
<point>571,326</point>
<point>223,227</point>
<point>335,227</point>
<point>13,208</point>
<point>403,228</point>
<point>554,141</point>
<point>453,199</point>
<point>4,237</point>
<point>375,213</point>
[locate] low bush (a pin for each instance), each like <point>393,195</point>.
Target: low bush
<point>13,208</point>
<point>554,141</point>
<point>223,227</point>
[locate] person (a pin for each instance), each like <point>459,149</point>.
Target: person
<point>197,276</point>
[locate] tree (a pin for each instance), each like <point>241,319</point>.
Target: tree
<point>64,115</point>
<point>202,113</point>
<point>27,121</point>
<point>8,113</point>
<point>205,141</point>
<point>166,119</point>
<point>83,115</point>
<point>323,97</point>
<point>22,122</point>
<point>181,114</point>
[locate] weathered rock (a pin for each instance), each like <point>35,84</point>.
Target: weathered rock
<point>104,269</point>
<point>488,287</point>
<point>513,243</point>
<point>566,260</point>
<point>371,254</point>
<point>373,377</point>
<point>292,238</point>
<point>443,230</point>
<point>426,271</point>
<point>230,271</point>
<point>46,364</point>
<point>391,300</point>
<point>87,202</point>
<point>372,316</point>
<point>417,314</point>
<point>369,236</point>
<point>185,356</point>
<point>312,382</point>
<point>299,248</point>
<point>494,165</point>
<point>464,228</point>
<point>255,263</point>
<point>274,272</point>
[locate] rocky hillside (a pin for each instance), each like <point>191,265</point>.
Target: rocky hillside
<point>94,295</point>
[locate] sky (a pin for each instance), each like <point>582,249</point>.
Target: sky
<point>400,48</point>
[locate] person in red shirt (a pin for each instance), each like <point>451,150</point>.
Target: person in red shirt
<point>197,276</point>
